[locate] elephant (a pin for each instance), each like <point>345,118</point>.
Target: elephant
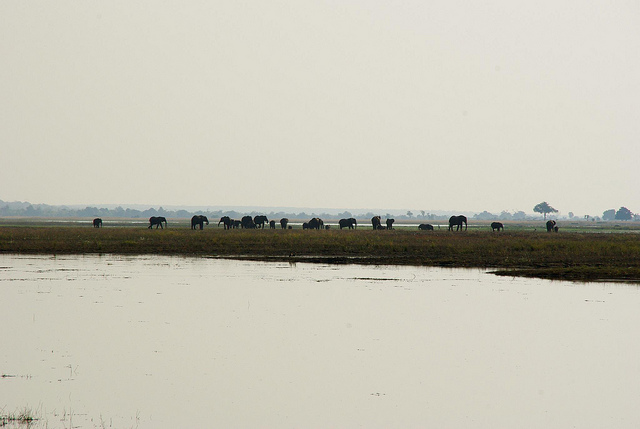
<point>381,227</point>
<point>260,220</point>
<point>305,225</point>
<point>247,222</point>
<point>283,223</point>
<point>425,227</point>
<point>97,222</point>
<point>375,221</point>
<point>236,223</point>
<point>347,223</point>
<point>551,226</point>
<point>390,223</point>
<point>315,223</point>
<point>157,221</point>
<point>497,225</point>
<point>457,221</point>
<point>226,222</point>
<point>199,220</point>
<point>272,224</point>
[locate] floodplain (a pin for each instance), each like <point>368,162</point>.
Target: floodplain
<point>580,251</point>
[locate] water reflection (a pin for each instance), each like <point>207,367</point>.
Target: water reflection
<point>156,342</point>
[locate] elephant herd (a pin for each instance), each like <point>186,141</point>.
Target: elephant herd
<point>259,222</point>
<point>249,222</point>
<point>376,222</point>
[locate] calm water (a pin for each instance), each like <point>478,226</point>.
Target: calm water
<point>167,342</point>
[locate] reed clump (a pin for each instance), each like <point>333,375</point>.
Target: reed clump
<point>24,416</point>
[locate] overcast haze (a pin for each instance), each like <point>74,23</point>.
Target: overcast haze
<point>340,104</point>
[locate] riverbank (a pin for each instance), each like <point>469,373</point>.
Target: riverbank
<point>578,256</point>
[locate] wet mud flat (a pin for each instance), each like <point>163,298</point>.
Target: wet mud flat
<point>580,256</point>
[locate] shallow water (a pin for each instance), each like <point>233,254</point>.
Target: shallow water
<point>167,342</point>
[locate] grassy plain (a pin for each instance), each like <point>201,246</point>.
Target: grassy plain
<point>582,253</point>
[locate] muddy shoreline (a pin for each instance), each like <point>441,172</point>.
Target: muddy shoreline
<point>574,273</point>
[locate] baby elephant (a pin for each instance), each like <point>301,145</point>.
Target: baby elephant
<point>497,225</point>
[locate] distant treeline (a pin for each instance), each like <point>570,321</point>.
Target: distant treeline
<point>25,209</point>
<point>47,211</point>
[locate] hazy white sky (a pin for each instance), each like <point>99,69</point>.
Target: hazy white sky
<point>420,105</point>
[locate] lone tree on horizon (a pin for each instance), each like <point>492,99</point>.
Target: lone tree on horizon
<point>624,214</point>
<point>544,208</point>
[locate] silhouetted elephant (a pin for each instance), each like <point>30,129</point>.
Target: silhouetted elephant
<point>315,223</point>
<point>260,220</point>
<point>283,223</point>
<point>226,222</point>
<point>347,223</point>
<point>247,222</point>
<point>390,223</point>
<point>497,225</point>
<point>551,226</point>
<point>457,221</point>
<point>97,222</point>
<point>305,225</point>
<point>381,227</point>
<point>375,221</point>
<point>272,224</point>
<point>157,221</point>
<point>425,227</point>
<point>199,220</point>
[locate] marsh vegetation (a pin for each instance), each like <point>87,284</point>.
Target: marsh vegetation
<point>519,250</point>
<point>23,417</point>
